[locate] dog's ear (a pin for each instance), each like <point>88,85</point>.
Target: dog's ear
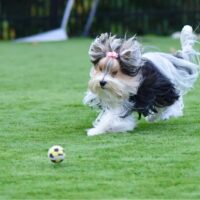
<point>97,49</point>
<point>130,55</point>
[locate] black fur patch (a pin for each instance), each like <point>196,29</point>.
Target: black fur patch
<point>155,91</point>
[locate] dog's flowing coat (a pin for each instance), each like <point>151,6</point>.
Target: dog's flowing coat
<point>123,80</point>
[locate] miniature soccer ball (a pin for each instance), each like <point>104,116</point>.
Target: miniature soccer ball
<point>56,154</point>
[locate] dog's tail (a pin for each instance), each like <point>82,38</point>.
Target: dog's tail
<point>183,67</point>
<point>188,40</point>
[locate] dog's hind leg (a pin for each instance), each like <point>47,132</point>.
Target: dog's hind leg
<point>175,110</point>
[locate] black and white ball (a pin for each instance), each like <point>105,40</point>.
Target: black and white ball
<point>56,154</point>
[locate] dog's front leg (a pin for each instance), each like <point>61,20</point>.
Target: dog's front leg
<point>100,124</point>
<point>110,121</point>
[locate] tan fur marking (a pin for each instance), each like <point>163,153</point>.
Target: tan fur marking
<point>100,70</point>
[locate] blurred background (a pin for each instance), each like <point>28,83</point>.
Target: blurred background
<point>27,17</point>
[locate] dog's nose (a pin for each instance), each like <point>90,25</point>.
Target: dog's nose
<point>102,83</point>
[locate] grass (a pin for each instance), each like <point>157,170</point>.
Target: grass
<point>41,91</point>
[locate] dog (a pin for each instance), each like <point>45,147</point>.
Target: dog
<point>124,80</point>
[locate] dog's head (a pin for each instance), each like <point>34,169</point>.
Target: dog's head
<point>116,63</point>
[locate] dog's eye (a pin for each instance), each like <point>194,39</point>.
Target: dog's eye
<point>114,73</point>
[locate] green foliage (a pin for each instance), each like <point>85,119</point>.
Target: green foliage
<point>42,86</point>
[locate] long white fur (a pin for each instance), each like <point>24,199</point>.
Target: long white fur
<point>178,76</point>
<point>166,63</point>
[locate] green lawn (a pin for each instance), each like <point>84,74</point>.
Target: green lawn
<point>41,91</point>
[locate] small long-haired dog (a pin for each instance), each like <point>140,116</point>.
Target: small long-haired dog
<point>124,80</point>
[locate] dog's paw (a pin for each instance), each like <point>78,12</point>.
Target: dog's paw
<point>152,118</point>
<point>93,132</point>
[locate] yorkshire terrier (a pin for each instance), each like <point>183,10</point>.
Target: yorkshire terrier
<point>124,80</point>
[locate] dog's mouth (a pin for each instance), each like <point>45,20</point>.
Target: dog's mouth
<point>103,87</point>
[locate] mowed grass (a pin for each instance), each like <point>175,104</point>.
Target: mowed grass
<point>41,92</point>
